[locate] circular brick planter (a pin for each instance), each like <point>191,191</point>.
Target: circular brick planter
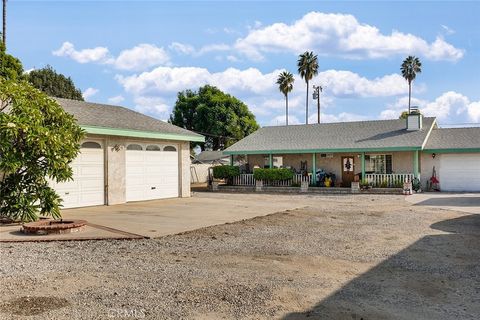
<point>54,226</point>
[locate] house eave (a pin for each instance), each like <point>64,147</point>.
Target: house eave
<point>141,134</point>
<point>337,150</point>
<point>452,150</point>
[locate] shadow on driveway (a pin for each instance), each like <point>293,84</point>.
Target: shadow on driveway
<point>437,277</point>
<point>458,201</point>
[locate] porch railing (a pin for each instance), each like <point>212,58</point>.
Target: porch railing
<point>247,179</point>
<point>388,180</point>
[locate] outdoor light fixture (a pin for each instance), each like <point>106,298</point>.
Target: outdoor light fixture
<point>433,155</point>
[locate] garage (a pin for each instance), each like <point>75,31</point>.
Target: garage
<point>87,186</point>
<point>460,172</point>
<point>151,171</point>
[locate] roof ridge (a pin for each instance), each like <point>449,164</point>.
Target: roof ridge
<point>340,122</point>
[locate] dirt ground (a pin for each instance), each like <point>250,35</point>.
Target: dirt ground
<point>362,257</point>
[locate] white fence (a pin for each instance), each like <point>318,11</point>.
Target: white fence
<point>389,179</point>
<point>247,179</point>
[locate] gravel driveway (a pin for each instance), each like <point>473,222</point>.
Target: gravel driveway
<point>345,257</point>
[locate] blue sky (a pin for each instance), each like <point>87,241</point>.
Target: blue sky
<point>140,54</point>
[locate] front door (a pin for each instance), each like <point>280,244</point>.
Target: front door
<point>347,171</point>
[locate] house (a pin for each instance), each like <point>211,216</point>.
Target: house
<point>212,157</point>
<point>126,156</point>
<point>381,151</point>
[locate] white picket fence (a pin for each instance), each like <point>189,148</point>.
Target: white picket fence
<point>388,179</point>
<point>247,179</point>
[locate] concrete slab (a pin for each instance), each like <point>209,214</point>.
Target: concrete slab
<point>157,218</point>
<point>13,233</point>
<point>464,202</point>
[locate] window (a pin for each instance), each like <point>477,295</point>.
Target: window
<point>134,147</point>
<point>153,147</point>
<point>378,163</point>
<point>169,148</point>
<point>277,162</point>
<point>91,145</point>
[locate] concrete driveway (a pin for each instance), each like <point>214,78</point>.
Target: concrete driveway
<point>464,202</point>
<point>169,216</point>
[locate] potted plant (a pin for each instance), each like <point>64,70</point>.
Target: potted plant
<point>364,184</point>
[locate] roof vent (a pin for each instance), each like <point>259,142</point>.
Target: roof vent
<point>414,119</point>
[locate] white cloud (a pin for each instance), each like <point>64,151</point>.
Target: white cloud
<point>140,57</point>
<point>182,48</point>
<point>153,106</point>
<point>97,54</point>
<point>89,92</point>
<point>116,99</point>
<point>447,29</point>
<point>448,106</point>
<point>340,34</point>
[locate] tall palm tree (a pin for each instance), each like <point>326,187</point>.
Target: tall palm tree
<point>285,85</point>
<point>410,67</point>
<point>4,23</point>
<point>307,68</point>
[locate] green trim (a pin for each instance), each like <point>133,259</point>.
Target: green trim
<point>363,165</point>
<point>324,150</point>
<point>314,169</point>
<point>270,161</point>
<point>415,164</point>
<point>231,160</point>
<point>141,134</point>
<point>453,150</point>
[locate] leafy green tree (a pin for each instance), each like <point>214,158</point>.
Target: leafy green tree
<point>405,114</point>
<point>54,84</point>
<point>38,141</point>
<point>222,118</point>
<point>10,67</point>
<point>410,67</point>
<point>285,82</point>
<point>307,68</point>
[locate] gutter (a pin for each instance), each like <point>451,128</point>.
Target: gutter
<point>142,134</point>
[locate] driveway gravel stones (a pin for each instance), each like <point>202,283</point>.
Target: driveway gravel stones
<point>345,257</point>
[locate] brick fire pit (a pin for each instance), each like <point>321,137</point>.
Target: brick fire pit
<point>54,226</point>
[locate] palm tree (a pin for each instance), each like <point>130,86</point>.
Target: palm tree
<point>410,67</point>
<point>285,85</point>
<point>307,68</point>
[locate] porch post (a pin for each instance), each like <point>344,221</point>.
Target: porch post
<point>270,160</point>
<point>415,164</point>
<point>363,166</point>
<point>314,169</point>
<point>231,159</point>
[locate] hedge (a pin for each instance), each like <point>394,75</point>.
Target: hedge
<point>225,172</point>
<point>272,174</point>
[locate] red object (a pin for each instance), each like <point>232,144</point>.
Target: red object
<point>434,180</point>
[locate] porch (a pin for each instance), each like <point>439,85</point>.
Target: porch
<point>380,169</point>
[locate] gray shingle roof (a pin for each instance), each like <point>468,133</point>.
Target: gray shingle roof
<point>454,138</point>
<point>376,134</point>
<point>206,156</point>
<point>103,115</point>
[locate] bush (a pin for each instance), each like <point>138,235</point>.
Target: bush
<point>272,174</point>
<point>225,172</point>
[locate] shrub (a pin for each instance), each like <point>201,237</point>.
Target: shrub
<point>225,172</point>
<point>273,174</point>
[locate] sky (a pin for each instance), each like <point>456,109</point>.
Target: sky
<point>141,54</point>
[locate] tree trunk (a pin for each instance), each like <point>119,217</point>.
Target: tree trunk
<point>409,95</point>
<point>286,109</point>
<point>306,109</point>
<point>4,27</point>
<point>318,109</point>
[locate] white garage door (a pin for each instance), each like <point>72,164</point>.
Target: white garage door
<point>152,171</point>
<point>87,187</point>
<point>460,172</point>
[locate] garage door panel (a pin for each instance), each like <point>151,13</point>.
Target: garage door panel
<point>87,187</point>
<point>151,175</point>
<point>460,172</point>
